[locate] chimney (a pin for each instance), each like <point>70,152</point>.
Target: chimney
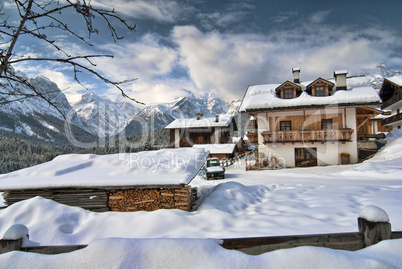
<point>340,79</point>
<point>216,118</point>
<point>199,115</point>
<point>296,75</point>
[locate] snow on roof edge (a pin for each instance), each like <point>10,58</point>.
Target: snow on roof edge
<point>224,121</point>
<point>148,168</point>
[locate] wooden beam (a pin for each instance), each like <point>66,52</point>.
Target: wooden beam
<point>366,115</point>
<point>361,124</point>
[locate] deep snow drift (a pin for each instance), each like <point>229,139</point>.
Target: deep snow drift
<point>245,204</point>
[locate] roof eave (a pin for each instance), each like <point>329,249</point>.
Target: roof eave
<point>311,107</point>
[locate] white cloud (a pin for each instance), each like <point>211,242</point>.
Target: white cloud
<point>320,16</point>
<point>210,20</point>
<point>229,63</point>
<point>284,16</point>
<point>167,11</point>
<point>155,91</point>
<point>145,59</point>
<point>67,85</point>
<point>221,62</point>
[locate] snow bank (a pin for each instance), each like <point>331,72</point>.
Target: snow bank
<point>374,214</point>
<point>233,197</point>
<point>394,134</point>
<point>15,232</point>
<point>160,167</point>
<point>204,253</point>
<point>386,164</point>
<point>18,231</point>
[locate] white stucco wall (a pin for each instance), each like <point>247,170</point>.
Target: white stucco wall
<point>217,135</point>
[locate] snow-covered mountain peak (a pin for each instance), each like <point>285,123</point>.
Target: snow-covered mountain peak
<point>159,116</point>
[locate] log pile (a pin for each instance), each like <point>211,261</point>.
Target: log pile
<point>152,199</point>
<point>91,199</point>
<point>101,200</point>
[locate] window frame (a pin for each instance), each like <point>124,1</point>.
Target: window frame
<point>319,91</point>
<point>285,125</point>
<point>325,123</point>
<point>288,93</point>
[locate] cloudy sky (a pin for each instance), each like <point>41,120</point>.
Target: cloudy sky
<point>223,46</point>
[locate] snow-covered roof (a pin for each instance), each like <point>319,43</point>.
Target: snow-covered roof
<point>160,167</point>
<point>263,97</point>
<point>217,148</point>
<point>341,72</point>
<point>396,80</point>
<point>236,139</point>
<point>224,121</point>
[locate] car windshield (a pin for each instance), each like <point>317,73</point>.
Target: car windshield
<point>214,162</point>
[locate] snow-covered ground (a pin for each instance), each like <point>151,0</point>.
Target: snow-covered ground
<point>245,204</point>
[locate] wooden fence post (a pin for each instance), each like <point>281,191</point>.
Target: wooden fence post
<point>374,224</point>
<point>13,238</point>
<point>10,245</point>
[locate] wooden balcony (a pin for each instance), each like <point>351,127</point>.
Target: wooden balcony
<point>307,136</point>
<point>253,137</point>
<point>395,98</point>
<point>392,119</point>
<point>185,142</point>
<point>225,140</point>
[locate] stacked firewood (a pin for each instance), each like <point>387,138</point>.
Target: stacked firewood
<point>152,199</point>
<point>92,199</point>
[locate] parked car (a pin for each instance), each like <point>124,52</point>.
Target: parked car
<point>214,169</point>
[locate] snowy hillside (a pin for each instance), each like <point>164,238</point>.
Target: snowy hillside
<point>34,117</point>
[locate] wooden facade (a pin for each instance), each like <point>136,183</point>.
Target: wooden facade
<point>391,95</point>
<point>205,131</point>
<point>197,136</point>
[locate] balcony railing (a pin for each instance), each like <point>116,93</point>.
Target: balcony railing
<point>253,137</point>
<point>397,97</point>
<point>392,119</point>
<point>307,135</point>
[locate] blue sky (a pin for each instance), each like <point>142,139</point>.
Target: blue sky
<point>223,46</point>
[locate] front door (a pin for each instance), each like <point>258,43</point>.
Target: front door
<point>305,157</point>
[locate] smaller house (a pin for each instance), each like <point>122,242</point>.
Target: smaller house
<point>146,180</point>
<point>201,130</point>
<point>391,96</point>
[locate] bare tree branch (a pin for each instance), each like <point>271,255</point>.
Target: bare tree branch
<point>47,15</point>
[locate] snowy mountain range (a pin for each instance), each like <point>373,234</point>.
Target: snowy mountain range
<point>34,118</point>
<point>157,117</point>
<point>95,116</point>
